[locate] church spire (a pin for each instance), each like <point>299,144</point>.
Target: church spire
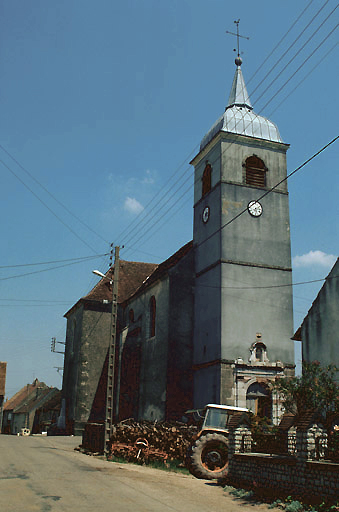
<point>238,96</point>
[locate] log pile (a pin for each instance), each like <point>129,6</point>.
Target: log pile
<point>149,441</point>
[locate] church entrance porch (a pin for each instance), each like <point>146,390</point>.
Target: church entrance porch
<point>259,400</point>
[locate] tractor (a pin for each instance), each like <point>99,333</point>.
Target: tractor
<point>208,455</point>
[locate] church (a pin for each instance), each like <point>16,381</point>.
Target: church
<point>213,323</point>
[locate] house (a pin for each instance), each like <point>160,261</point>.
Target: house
<point>213,323</point>
<point>47,412</point>
<point>319,329</point>
<point>19,411</point>
<point>3,367</point>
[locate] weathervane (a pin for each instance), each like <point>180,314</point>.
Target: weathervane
<point>238,60</point>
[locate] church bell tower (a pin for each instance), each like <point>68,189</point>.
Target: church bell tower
<point>243,316</point>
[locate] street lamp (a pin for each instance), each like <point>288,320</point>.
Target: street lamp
<point>111,350</point>
<point>98,273</point>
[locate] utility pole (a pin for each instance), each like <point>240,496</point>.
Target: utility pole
<point>112,348</point>
<point>53,342</point>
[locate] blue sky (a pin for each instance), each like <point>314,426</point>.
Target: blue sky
<point>104,103</point>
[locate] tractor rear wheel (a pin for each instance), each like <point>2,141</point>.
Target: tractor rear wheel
<point>209,457</point>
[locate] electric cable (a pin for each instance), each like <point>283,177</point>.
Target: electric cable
<point>303,63</point>
<point>271,189</point>
<point>154,197</point>
<point>281,40</point>
<point>52,196</point>
<point>48,208</point>
<point>291,46</point>
<point>281,87</point>
<point>43,270</point>
<point>287,285</point>
<point>83,258</point>
<point>305,77</point>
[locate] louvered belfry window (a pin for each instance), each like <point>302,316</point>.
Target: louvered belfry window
<point>255,172</point>
<point>206,179</point>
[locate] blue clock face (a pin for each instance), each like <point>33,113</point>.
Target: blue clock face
<point>206,214</point>
<point>254,208</point>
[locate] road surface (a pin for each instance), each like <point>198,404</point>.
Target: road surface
<point>40,473</point>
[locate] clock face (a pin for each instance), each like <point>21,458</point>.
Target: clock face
<point>254,208</point>
<point>206,214</point>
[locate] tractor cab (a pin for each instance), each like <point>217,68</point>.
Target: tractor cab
<point>217,417</point>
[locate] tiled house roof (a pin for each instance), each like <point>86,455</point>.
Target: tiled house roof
<point>163,268</point>
<point>34,399</point>
<point>131,276</point>
<point>53,403</point>
<point>237,418</point>
<point>22,395</point>
<point>287,421</point>
<point>305,420</point>
<point>2,378</point>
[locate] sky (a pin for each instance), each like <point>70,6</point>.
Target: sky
<point>103,105</point>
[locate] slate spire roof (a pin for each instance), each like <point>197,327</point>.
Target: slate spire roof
<point>239,95</point>
<point>239,116</point>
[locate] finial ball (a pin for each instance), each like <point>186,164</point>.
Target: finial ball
<point>238,61</point>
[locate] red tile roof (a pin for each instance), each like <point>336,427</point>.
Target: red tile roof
<point>287,420</point>
<point>306,418</point>
<point>297,335</point>
<point>22,395</point>
<point>34,399</point>
<point>164,267</point>
<point>2,378</point>
<point>134,277</point>
<point>131,276</point>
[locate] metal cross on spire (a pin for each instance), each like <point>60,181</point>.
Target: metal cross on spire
<point>238,60</point>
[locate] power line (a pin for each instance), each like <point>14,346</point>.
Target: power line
<point>291,46</point>
<point>305,77</point>
<point>52,196</point>
<point>161,198</point>
<point>218,158</point>
<point>43,270</point>
<point>303,63</point>
<point>46,206</point>
<point>37,301</point>
<point>83,258</point>
<point>271,189</point>
<point>279,43</point>
<point>288,285</point>
<point>164,204</point>
<point>128,229</point>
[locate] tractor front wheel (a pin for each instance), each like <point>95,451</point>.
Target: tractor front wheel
<point>209,457</point>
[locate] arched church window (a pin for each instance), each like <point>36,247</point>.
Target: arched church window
<point>71,338</point>
<point>152,316</point>
<point>259,351</point>
<point>255,172</point>
<point>206,179</point>
<point>259,400</point>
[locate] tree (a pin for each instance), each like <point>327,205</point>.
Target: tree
<point>315,389</point>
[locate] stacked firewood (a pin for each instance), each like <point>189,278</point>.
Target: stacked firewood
<point>147,441</point>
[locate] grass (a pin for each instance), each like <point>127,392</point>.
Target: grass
<point>288,504</point>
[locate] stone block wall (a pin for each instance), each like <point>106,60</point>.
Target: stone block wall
<point>296,475</point>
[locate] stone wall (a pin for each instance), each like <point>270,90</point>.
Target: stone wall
<point>297,475</point>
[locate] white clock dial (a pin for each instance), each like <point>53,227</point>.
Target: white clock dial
<point>254,208</point>
<point>206,214</point>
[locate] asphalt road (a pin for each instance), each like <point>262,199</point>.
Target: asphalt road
<point>46,474</point>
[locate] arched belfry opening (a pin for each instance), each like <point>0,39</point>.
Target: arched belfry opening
<point>259,399</point>
<point>255,170</point>
<point>152,311</point>
<point>206,179</point>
